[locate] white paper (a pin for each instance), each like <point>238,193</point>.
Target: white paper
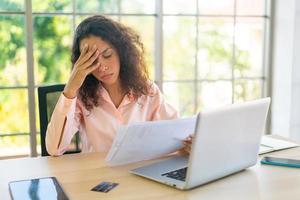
<point>148,140</point>
<point>265,149</point>
<point>269,144</point>
<point>277,143</point>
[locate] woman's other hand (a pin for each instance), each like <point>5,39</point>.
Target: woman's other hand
<point>187,145</point>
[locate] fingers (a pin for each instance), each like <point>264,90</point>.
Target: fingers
<point>86,56</point>
<point>83,51</point>
<point>92,68</point>
<point>92,59</point>
<point>187,144</point>
<point>189,138</point>
<point>89,54</point>
<point>187,149</point>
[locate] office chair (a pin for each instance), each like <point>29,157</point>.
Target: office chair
<point>48,97</point>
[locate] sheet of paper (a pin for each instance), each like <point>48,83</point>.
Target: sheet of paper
<point>277,144</point>
<point>265,149</point>
<point>148,140</point>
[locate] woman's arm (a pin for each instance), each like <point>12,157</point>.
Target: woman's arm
<point>63,125</point>
<point>65,118</point>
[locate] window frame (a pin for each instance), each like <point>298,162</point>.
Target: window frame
<point>28,14</point>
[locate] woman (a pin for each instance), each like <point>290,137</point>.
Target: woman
<point>108,86</point>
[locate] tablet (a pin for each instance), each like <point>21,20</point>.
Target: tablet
<point>37,189</point>
<point>281,162</point>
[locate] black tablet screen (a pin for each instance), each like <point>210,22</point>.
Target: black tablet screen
<point>37,189</point>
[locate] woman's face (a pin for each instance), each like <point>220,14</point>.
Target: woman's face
<point>109,62</point>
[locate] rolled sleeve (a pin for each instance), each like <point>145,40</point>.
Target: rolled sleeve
<point>64,104</point>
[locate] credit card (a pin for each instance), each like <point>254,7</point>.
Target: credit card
<point>104,187</point>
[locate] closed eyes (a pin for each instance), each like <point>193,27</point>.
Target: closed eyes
<point>107,53</point>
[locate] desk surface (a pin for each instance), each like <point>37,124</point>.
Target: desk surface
<point>78,173</point>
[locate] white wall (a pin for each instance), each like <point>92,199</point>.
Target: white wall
<point>286,69</point>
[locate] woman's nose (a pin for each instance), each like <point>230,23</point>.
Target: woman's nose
<point>102,68</point>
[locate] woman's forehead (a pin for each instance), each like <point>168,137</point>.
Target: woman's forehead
<point>93,40</point>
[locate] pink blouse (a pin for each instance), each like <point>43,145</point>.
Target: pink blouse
<point>98,127</point>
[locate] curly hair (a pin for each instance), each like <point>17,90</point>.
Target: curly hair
<point>133,71</point>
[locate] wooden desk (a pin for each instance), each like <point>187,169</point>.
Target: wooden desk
<point>78,173</point>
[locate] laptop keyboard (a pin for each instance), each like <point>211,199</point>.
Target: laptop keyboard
<point>178,174</point>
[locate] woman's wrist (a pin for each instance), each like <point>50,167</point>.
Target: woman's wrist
<point>69,93</point>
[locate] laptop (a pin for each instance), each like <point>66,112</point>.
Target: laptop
<point>226,141</point>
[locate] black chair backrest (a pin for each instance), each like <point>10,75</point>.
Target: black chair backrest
<point>48,97</point>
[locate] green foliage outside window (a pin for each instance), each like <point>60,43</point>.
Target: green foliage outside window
<point>52,39</point>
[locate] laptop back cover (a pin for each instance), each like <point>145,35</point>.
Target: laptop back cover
<point>226,141</point>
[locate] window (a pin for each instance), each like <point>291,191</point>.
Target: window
<point>214,52</point>
<point>201,53</point>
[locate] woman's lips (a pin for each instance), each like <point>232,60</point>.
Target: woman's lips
<point>107,76</point>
